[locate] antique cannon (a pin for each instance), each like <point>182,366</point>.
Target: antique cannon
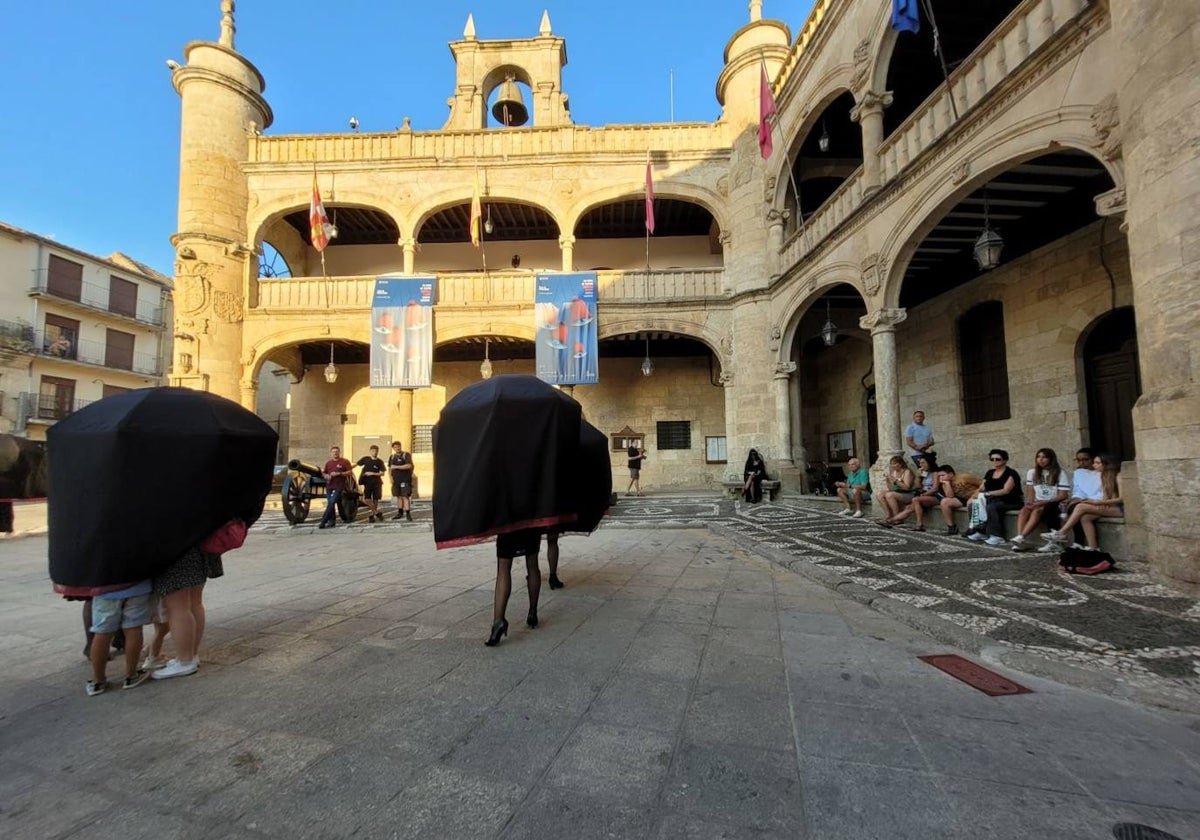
<point>304,483</point>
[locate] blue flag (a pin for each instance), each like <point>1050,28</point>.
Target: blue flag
<point>905,17</point>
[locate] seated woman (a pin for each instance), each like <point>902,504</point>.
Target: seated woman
<point>927,494</point>
<point>1086,513</point>
<point>1002,492</point>
<point>1046,486</point>
<point>901,482</point>
<point>956,490</point>
<point>752,477</point>
<point>856,485</point>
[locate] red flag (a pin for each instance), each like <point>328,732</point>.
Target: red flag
<point>476,213</point>
<point>766,108</point>
<point>318,223</point>
<point>649,197</point>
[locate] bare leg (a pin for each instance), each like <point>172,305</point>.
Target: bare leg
<point>533,580</point>
<point>133,650</point>
<point>858,499</point>
<point>1089,530</point>
<point>948,507</point>
<point>160,634</point>
<point>503,587</point>
<point>196,602</point>
<point>100,643</point>
<point>183,624</point>
<point>844,497</point>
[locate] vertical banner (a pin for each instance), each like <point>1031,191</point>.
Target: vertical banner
<point>402,332</point>
<point>564,306</point>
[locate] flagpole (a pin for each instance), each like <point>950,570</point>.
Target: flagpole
<point>937,50</point>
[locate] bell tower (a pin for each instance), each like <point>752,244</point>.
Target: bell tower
<point>222,104</point>
<point>484,66</point>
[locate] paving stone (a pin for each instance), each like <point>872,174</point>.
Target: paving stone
<point>621,763</point>
<point>443,802</point>
<point>579,816</point>
<point>739,785</point>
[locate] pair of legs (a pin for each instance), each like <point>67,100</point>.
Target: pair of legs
<point>1085,514</point>
<point>845,494</point>
<point>634,482</point>
<point>1031,515</point>
<point>533,580</point>
<point>752,490</point>
<point>948,506</point>
<point>110,615</point>
<point>996,509</point>
<point>372,492</point>
<point>185,613</point>
<point>118,640</point>
<point>895,501</point>
<point>917,507</point>
<point>402,496</point>
<point>329,518</point>
<point>99,657</point>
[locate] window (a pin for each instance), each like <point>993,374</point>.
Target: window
<point>64,278</point>
<point>983,363</point>
<point>118,350</point>
<point>56,398</point>
<point>674,434</point>
<point>422,439</point>
<point>122,297</point>
<point>60,338</point>
<point>716,450</point>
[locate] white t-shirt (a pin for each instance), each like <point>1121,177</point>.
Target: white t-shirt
<point>1087,485</point>
<point>1042,491</point>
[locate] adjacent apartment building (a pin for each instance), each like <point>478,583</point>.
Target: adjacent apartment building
<point>74,328</point>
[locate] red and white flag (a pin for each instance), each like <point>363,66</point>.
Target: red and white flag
<point>766,109</point>
<point>320,231</point>
<point>476,223</point>
<point>649,197</point>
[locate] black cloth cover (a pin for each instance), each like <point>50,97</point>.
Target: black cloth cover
<point>138,478</point>
<point>22,468</point>
<point>507,457</point>
<point>595,474</point>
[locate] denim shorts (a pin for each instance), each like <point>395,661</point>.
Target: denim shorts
<point>112,614</point>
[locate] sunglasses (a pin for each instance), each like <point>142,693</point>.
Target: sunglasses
<point>995,458</point>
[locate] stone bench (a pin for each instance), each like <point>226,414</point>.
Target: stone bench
<point>734,487</point>
<point>1110,530</point>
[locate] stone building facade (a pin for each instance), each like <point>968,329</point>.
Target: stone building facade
<point>785,302</point>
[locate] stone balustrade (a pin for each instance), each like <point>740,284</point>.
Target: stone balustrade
<point>667,286</point>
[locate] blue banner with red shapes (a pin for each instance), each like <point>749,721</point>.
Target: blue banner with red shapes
<point>402,332</point>
<point>564,307</point>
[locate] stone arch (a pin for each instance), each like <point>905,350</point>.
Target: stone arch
<point>268,213</point>
<point>255,354</point>
<point>836,84</point>
<point>700,332</point>
<point>1067,128</point>
<point>682,190</point>
<point>523,330</point>
<point>436,202</point>
<point>795,306</point>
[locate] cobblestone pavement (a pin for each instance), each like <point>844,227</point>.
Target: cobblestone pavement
<point>680,687</point>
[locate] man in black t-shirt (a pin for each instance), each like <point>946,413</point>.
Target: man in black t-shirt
<point>400,468</point>
<point>371,478</point>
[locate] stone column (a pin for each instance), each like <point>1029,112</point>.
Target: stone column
<point>882,324</point>
<point>404,412</point>
<point>567,244</point>
<point>410,255</point>
<point>869,113</point>
<point>249,389</point>
<point>776,222</point>
<point>783,414</point>
<point>1154,126</point>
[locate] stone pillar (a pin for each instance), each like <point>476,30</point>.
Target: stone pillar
<point>410,255</point>
<point>869,113</point>
<point>1154,126</point>
<point>776,222</point>
<point>882,324</point>
<point>249,395</point>
<point>404,412</point>
<point>783,414</point>
<point>567,244</point>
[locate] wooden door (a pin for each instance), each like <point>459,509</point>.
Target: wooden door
<point>1113,383</point>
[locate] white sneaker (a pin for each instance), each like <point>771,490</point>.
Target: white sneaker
<point>844,512</point>
<point>153,663</point>
<point>1049,548</point>
<point>1018,539</point>
<point>857,514</point>
<point>175,668</point>
<point>995,541</point>
<point>977,537</point>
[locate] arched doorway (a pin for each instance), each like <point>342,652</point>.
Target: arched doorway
<point>1112,381</point>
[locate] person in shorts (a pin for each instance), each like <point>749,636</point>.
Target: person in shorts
<point>126,609</point>
<point>371,479</point>
<point>400,468</point>
<point>636,456</point>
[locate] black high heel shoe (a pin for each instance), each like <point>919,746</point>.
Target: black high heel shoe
<point>532,620</point>
<point>500,628</point>
<point>555,583</point>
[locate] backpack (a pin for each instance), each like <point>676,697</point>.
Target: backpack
<point>229,536</point>
<point>1076,561</point>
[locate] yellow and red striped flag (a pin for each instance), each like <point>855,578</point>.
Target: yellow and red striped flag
<point>649,197</point>
<point>320,231</point>
<point>476,213</point>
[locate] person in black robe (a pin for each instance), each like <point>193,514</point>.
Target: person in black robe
<point>752,477</point>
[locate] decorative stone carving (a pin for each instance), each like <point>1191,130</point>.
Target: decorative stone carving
<point>723,185</point>
<point>724,238</point>
<point>769,190</point>
<point>776,337</point>
<point>776,216</point>
<point>872,272</point>
<point>882,318</point>
<point>1106,120</point>
<point>862,65</point>
<point>227,306</point>
<point>1111,203</point>
<point>961,172</point>
<point>726,377</point>
<point>870,103</point>
<point>191,285</point>
<point>727,344</point>
<point>784,369</point>
<point>566,241</point>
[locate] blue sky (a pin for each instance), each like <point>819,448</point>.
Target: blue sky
<point>89,124</point>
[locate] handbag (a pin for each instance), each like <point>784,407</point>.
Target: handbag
<point>229,536</point>
<point>977,514</point>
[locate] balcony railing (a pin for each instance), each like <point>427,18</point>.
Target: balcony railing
<point>95,298</point>
<point>68,348</point>
<point>46,408</point>
<point>507,288</point>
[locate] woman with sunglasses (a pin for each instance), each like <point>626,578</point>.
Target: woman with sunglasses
<point>1002,491</point>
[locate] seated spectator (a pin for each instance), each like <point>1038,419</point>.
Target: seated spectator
<point>1002,492</point>
<point>1086,513</point>
<point>926,495</point>
<point>1085,487</point>
<point>1046,486</point>
<point>856,485</point>
<point>901,485</point>
<point>956,490</point>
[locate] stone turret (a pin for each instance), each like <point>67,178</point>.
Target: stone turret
<point>757,42</point>
<point>222,104</point>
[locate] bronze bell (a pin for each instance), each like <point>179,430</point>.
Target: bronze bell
<point>510,106</point>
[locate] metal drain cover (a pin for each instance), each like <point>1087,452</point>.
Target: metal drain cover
<point>1137,831</point>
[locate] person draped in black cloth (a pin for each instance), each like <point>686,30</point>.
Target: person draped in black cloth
<point>752,477</point>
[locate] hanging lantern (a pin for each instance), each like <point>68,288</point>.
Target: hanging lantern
<point>485,368</point>
<point>823,140</point>
<point>647,365</point>
<point>331,371</point>
<point>989,244</point>
<point>829,332</point>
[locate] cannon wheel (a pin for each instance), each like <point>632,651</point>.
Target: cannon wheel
<point>295,501</point>
<point>348,506</point>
